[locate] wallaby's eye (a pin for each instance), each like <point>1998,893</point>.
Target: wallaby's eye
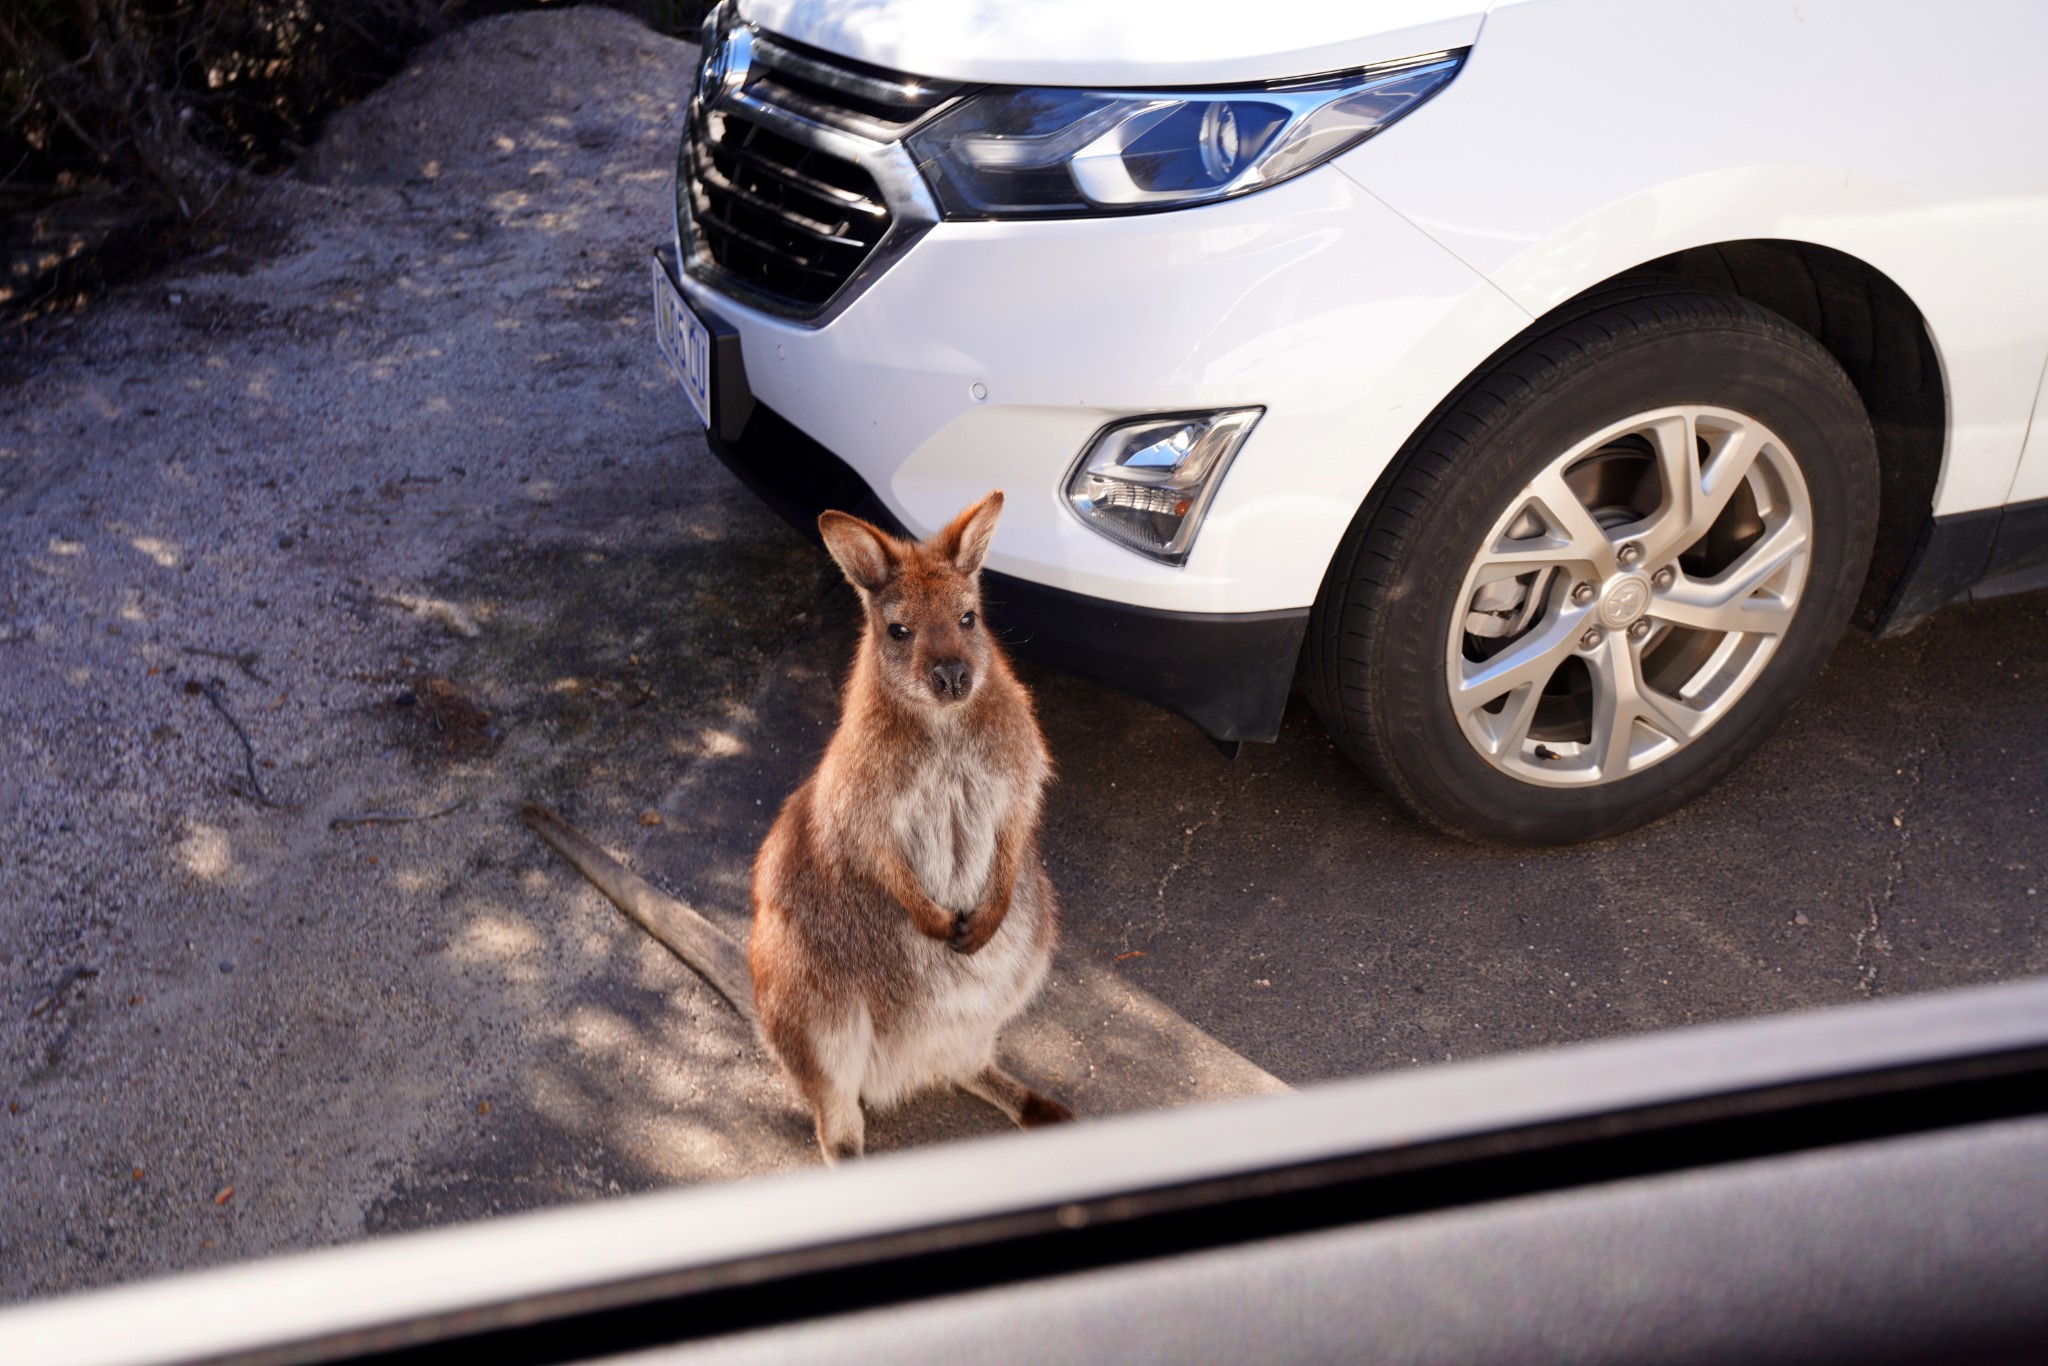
<point>967,622</point>
<point>898,631</point>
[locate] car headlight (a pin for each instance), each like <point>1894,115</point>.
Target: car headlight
<point>1008,153</point>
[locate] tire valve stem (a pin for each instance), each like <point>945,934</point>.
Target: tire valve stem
<point>1545,752</point>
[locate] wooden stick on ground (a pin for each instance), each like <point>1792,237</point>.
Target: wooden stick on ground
<point>709,951</point>
<point>394,817</point>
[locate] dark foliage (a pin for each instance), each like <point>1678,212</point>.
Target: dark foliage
<point>127,125</point>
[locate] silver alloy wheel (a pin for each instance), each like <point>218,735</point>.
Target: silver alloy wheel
<point>1629,596</point>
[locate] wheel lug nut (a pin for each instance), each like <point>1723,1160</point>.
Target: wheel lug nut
<point>1664,577</point>
<point>1584,594</point>
<point>1629,553</point>
<point>1592,637</point>
<point>1639,629</point>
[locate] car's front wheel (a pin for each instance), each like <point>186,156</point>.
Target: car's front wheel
<point>1603,572</point>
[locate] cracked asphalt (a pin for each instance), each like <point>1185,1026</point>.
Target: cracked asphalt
<point>400,514</point>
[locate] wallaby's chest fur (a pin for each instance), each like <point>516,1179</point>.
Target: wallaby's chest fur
<point>945,819</point>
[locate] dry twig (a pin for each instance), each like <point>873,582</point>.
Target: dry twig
<point>394,817</point>
<point>55,997</point>
<point>210,690</point>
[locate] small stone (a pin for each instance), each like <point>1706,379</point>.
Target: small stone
<point>226,966</point>
<point>650,817</point>
<point>1799,918</point>
<point>285,542</point>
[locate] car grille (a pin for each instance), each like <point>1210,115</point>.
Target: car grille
<point>771,192</point>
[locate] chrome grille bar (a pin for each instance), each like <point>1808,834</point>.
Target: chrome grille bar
<point>793,187</point>
<point>883,97</point>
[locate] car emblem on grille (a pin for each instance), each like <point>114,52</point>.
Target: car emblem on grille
<point>727,69</point>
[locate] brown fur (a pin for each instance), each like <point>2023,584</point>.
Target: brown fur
<point>901,911</point>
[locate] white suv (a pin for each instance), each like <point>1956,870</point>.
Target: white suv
<point>1547,382</point>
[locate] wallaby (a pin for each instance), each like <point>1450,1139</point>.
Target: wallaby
<point>901,913</point>
<point>877,965</point>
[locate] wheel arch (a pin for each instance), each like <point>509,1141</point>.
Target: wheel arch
<point>1881,339</point>
<point>1857,313</point>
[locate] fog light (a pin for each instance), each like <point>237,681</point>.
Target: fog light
<point>1146,483</point>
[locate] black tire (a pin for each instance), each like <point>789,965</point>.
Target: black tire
<point>1377,663</point>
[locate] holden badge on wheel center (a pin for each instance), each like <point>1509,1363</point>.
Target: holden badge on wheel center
<point>1624,601</point>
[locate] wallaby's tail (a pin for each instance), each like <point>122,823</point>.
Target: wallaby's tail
<point>713,954</point>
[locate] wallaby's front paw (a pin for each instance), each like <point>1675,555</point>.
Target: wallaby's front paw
<point>971,932</point>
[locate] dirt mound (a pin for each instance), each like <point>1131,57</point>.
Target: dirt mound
<point>505,97</point>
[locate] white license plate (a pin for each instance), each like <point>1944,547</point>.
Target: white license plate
<point>685,341</point>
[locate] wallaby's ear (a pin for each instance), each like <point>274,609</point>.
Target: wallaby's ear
<point>864,552</point>
<point>965,541</point>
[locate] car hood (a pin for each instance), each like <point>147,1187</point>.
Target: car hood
<point>1121,42</point>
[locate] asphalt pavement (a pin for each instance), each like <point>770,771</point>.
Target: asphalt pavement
<point>1891,837</point>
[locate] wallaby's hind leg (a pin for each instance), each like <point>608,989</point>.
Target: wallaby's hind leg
<point>835,1108</point>
<point>1026,1108</point>
<point>842,1130</point>
<point>825,1070</point>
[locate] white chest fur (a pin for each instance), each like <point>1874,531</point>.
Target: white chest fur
<point>946,820</point>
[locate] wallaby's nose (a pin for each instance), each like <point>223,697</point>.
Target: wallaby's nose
<point>952,678</point>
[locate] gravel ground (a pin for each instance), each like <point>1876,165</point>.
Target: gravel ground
<point>389,510</point>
